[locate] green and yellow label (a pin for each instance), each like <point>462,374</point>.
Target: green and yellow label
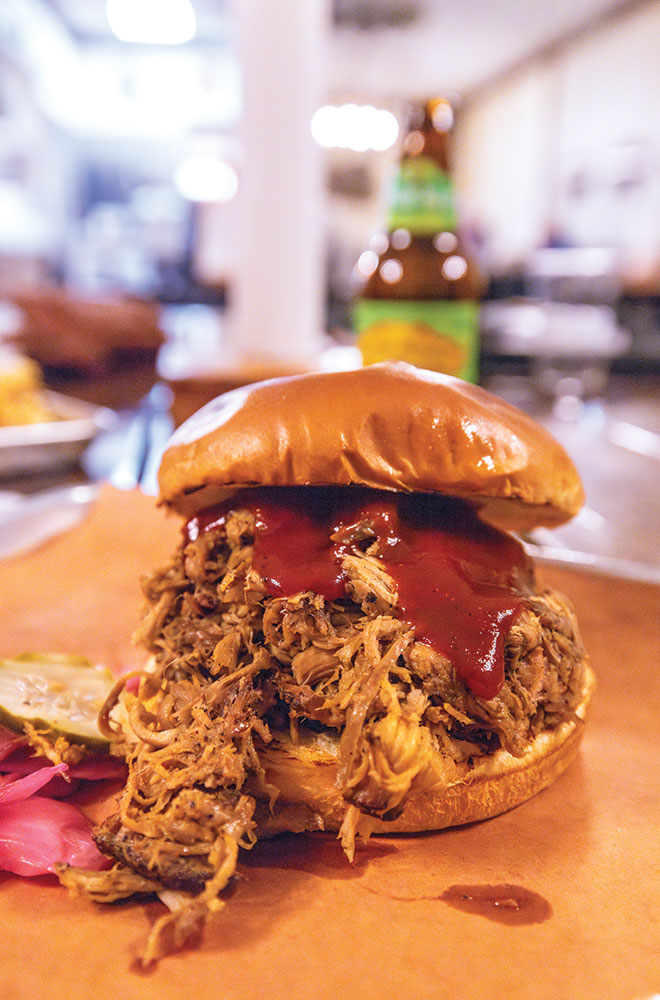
<point>421,199</point>
<point>441,336</point>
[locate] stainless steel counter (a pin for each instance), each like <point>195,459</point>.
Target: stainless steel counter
<point>615,443</point>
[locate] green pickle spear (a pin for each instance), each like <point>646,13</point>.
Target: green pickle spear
<point>57,692</point>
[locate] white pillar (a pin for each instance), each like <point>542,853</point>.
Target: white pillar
<point>276,314</point>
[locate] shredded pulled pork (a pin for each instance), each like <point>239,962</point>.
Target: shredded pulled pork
<point>232,666</point>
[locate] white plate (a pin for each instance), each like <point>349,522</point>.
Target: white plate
<point>38,447</point>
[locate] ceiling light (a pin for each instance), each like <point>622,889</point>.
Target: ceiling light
<point>152,22</point>
<point>206,178</point>
<point>356,127</point>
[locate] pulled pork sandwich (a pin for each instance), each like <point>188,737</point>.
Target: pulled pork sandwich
<point>347,637</point>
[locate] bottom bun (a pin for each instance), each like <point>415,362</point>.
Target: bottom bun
<point>305,774</point>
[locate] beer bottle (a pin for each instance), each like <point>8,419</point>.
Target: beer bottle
<point>419,300</point>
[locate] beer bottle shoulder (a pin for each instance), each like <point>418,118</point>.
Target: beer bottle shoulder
<point>420,267</point>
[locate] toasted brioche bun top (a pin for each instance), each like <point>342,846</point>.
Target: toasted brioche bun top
<point>387,426</point>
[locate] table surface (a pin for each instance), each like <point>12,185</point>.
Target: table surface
<point>300,921</point>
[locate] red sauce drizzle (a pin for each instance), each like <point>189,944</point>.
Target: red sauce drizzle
<point>458,579</point>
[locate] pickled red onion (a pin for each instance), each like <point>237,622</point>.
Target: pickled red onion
<point>37,833</point>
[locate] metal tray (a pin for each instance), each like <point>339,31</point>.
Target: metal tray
<point>37,447</point>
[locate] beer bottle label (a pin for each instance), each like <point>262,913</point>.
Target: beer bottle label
<point>441,336</point>
<point>422,198</point>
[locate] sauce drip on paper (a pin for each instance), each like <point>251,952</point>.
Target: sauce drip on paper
<point>504,903</point>
<point>456,577</point>
<point>507,904</point>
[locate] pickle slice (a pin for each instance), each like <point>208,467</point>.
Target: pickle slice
<point>57,692</point>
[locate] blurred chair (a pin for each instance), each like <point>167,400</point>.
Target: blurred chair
<point>89,336</point>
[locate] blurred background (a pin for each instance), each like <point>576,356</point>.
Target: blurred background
<point>187,188</point>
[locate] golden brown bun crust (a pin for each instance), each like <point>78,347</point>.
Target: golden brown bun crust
<point>309,798</point>
<point>386,426</point>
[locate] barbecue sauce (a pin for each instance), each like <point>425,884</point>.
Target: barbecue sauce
<point>506,904</point>
<point>458,579</point>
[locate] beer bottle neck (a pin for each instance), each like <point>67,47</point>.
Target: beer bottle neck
<point>422,198</point>
<point>429,143</point>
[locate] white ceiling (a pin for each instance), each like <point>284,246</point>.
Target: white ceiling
<point>457,45</point>
<point>403,47</point>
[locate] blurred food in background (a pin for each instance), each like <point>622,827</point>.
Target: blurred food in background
<point>34,455</point>
<point>23,398</point>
